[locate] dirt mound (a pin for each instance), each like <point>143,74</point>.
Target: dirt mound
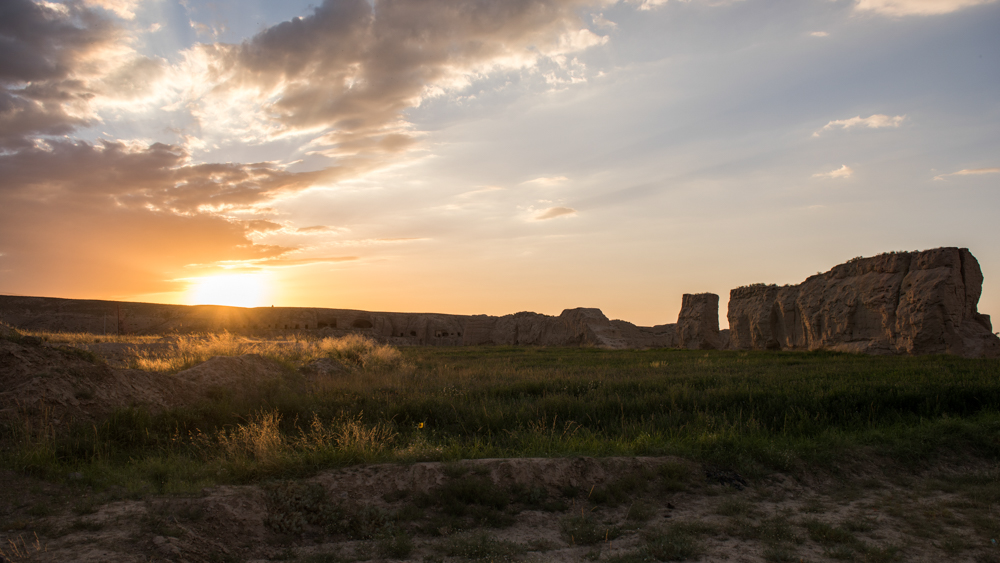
<point>8,332</point>
<point>49,384</point>
<point>230,371</point>
<point>60,384</point>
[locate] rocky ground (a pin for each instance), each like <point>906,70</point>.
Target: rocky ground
<point>570,509</point>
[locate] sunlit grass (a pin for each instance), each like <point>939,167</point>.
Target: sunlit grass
<point>188,351</point>
<point>89,338</point>
<point>180,352</point>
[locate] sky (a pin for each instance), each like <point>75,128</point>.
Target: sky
<point>488,156</point>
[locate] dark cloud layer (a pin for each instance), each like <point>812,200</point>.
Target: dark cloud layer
<point>42,51</point>
<point>156,177</point>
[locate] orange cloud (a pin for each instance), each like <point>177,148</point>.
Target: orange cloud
<point>111,219</point>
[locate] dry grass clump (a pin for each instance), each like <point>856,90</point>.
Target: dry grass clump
<point>187,351</point>
<point>359,350</point>
<point>261,439</point>
<point>89,338</point>
<point>170,354</point>
<point>18,549</point>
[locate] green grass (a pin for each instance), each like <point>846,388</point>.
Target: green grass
<point>751,411</point>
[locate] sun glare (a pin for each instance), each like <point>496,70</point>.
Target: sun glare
<point>237,290</point>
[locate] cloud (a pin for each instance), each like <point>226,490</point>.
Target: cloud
<point>553,212</point>
<point>123,8</point>
<point>284,261</point>
<point>600,21</point>
<point>651,4</point>
<point>119,218</point>
<point>315,229</point>
<point>546,181</point>
<point>262,226</point>
<point>346,73</point>
<point>41,45</point>
<point>842,172</point>
<point>819,34</point>
<point>915,7</point>
<point>482,190</point>
<point>969,172</point>
<point>137,176</point>
<point>58,63</point>
<point>876,121</point>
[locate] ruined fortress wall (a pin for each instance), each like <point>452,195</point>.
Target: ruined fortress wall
<point>905,302</point>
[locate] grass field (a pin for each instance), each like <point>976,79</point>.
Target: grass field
<point>756,412</point>
<point>690,455</point>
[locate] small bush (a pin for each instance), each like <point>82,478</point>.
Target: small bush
<point>586,529</point>
<point>640,511</point>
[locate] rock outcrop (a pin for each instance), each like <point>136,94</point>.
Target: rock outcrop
<point>574,327</point>
<point>897,303</point>
<point>698,322</point>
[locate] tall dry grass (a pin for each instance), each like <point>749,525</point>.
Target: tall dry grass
<point>89,338</point>
<point>355,351</point>
<point>260,439</point>
<point>19,549</point>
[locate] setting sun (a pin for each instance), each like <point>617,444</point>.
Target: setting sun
<point>237,290</point>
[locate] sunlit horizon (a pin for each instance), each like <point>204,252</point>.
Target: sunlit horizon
<point>234,290</point>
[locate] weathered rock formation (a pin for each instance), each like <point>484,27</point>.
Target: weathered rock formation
<point>897,303</point>
<point>698,322</point>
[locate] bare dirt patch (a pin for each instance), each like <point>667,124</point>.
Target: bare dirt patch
<point>567,509</point>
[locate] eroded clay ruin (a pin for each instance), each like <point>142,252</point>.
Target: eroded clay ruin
<point>895,303</point>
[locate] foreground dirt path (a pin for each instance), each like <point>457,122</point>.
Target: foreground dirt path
<point>568,509</point>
